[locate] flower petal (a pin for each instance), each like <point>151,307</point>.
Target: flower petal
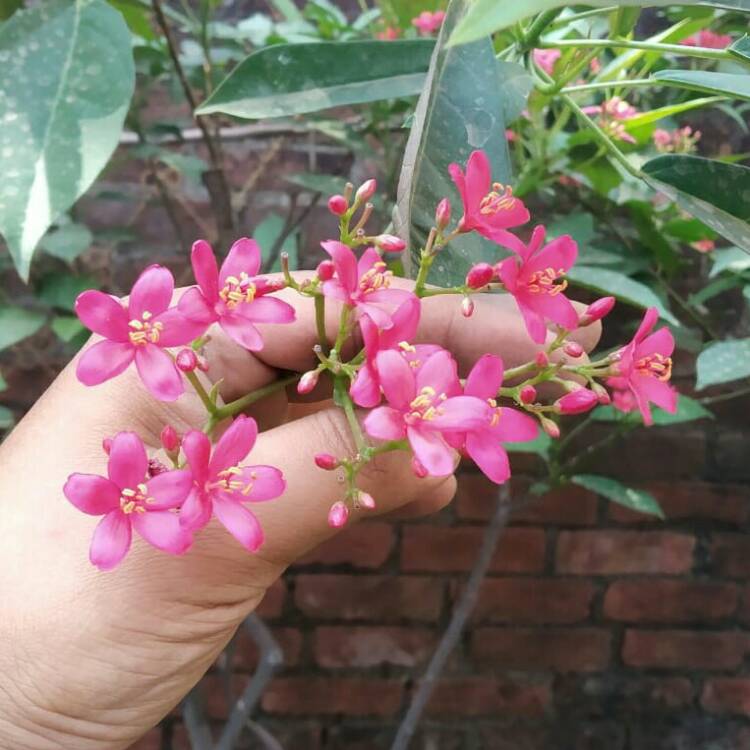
<point>334,289</point>
<point>657,391</point>
<point>533,320</point>
<point>128,462</point>
<point>647,324</point>
<point>385,423</point>
<point>478,179</point>
<point>660,342</point>
<point>169,489</point>
<point>396,379</point>
<point>244,255</point>
<point>92,494</point>
<point>487,453</point>
<point>380,317</point>
<point>196,511</point>
<point>205,270</point>
<point>162,529</point>
<point>111,540</point>
<point>239,522</point>
<point>151,293</point>
<point>404,324</point>
<point>345,262</point>
<point>462,413</point>
<point>242,331</point>
<point>439,372</point>
<point>268,310</point>
<point>485,377</point>
<point>266,483</point>
<point>431,451</point>
<point>369,258</point>
<point>158,373</point>
<point>365,390</point>
<point>515,426</point>
<point>555,307</point>
<point>194,306</point>
<point>102,361</point>
<point>102,314</point>
<point>233,445</point>
<point>559,254</point>
<point>177,329</point>
<point>197,449</point>
<point>507,272</point>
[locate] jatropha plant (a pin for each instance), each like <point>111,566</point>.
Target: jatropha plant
<point>411,395</point>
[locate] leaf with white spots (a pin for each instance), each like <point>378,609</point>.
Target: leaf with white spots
<point>723,362</point>
<point>66,83</point>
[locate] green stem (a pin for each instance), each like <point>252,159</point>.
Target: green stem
<point>538,25</point>
<point>202,392</point>
<point>240,404</point>
<point>351,417</point>
<point>677,49</point>
<point>633,83</point>
<point>424,270</point>
<point>724,396</point>
<point>516,372</point>
<point>320,323</point>
<point>447,290</point>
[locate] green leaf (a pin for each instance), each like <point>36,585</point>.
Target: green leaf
<point>746,293</point>
<point>67,80</point>
<point>400,12</point>
<point>740,48</point>
<point>539,446</point>
<point>3,383</point>
<point>516,87</point>
<point>731,259</point>
<point>136,17</point>
<point>723,362</point>
<point>728,84</point>
<point>266,234</point>
<point>654,115</point>
<point>638,500</point>
<point>460,110</point>
<point>67,327</point>
<point>628,290</point>
<point>7,419</point>
<point>290,79</point>
<point>60,290</point>
<point>288,10</point>
<point>9,7</point>
<point>688,410</point>
<point>579,225</point>
<point>716,193</point>
<point>67,242</point>
<point>17,324</point>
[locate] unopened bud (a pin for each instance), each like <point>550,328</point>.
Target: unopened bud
<point>602,394</point>
<point>338,515</point>
<point>541,360</point>
<point>417,468</point>
<point>573,349</point>
<point>338,205</point>
<point>170,440</point>
<point>443,214</point>
<point>107,445</point>
<point>550,427</point>
<point>326,461</point>
<point>307,382</point>
<point>527,394</point>
<point>366,500</point>
<point>479,275</point>
<point>366,191</point>
<point>467,307</point>
<point>577,402</point>
<point>325,270</point>
<point>186,360</point>
<point>596,311</point>
<point>390,243</point>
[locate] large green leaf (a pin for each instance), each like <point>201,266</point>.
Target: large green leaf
<point>654,115</point>
<point>613,282</point>
<point>640,500</point>
<point>688,410</point>
<point>716,193</point>
<point>290,79</point>
<point>731,259</point>
<point>723,362</point>
<point>460,109</point>
<point>728,84</point>
<point>488,16</point>
<point>67,242</point>
<point>741,49</point>
<point>17,324</point>
<point>67,79</point>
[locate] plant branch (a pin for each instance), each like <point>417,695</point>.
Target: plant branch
<point>724,396</point>
<point>677,49</point>
<point>242,403</point>
<point>633,83</point>
<point>538,25</point>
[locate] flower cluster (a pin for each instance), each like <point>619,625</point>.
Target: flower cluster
<point>611,117</point>
<point>412,395</point>
<point>679,141</point>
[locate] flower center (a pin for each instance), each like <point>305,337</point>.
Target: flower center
<point>378,277</point>
<point>134,501</point>
<point>409,352</point>
<point>545,282</point>
<point>426,405</point>
<point>655,366</point>
<point>501,198</point>
<point>237,290</point>
<point>496,413</point>
<point>232,480</point>
<point>143,331</point>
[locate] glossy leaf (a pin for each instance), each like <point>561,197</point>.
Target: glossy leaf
<point>67,80</point>
<point>16,324</point>
<point>741,49</point>
<point>516,86</point>
<point>688,410</point>
<point>728,84</point>
<point>638,500</point>
<point>716,193</point>
<point>67,242</point>
<point>290,79</point>
<point>723,362</point>
<point>460,110</point>
<point>730,259</point>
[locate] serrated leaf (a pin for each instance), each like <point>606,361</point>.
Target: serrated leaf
<point>688,410</point>
<point>60,290</point>
<point>68,77</point>
<point>67,242</point>
<point>729,259</point>
<point>17,324</point>
<point>291,79</point>
<point>628,290</point>
<point>723,362</point>
<point>728,84</point>
<point>639,500</point>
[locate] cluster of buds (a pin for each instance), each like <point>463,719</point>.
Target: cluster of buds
<point>679,141</point>
<point>611,117</point>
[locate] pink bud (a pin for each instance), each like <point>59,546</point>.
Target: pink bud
<point>573,349</point>
<point>541,360</point>
<point>443,214</point>
<point>338,515</point>
<point>467,307</point>
<point>577,402</point>
<point>550,427</point>
<point>337,205</point>
<point>366,191</point>
<point>527,394</point>
<point>366,500</point>
<point>389,243</point>
<point>170,440</point>
<point>479,275</point>
<point>596,311</point>
<point>308,381</point>
<point>325,270</point>
<point>417,468</point>
<point>602,394</point>
<point>326,461</point>
<point>107,445</point>
<point>186,360</point>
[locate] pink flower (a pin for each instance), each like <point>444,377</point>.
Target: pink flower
<point>612,115</point>
<point>644,368</point>
<point>577,402</point>
<point>388,34</point>
<point>423,406</point>
<point>234,297</point>
<point>546,59</point>
<point>428,23</point>
<point>535,280</point>
<point>708,38</point>
<point>127,499</point>
<point>489,208</point>
<point>222,485</point>
<point>363,284</point>
<point>703,246</point>
<point>485,443</point>
<point>139,331</point>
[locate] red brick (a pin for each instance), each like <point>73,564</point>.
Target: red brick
<point>372,646</point>
<point>727,695</point>
<point>438,549</point>
<point>559,649</point>
<point>690,500</point>
<point>533,600</point>
<point>346,695</point>
<point>667,600</point>
<point>362,597</point>
<point>683,649</point>
<point>273,602</point>
<point>362,545</point>
<point>612,552</point>
<point>730,555</point>
<point>245,656</point>
<point>482,696</point>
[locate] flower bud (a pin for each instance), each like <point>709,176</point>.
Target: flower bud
<point>541,360</point>
<point>443,214</point>
<point>326,461</point>
<point>577,402</point>
<point>325,270</point>
<point>573,349</point>
<point>186,360</point>
<point>602,394</point>
<point>366,500</point>
<point>527,394</point>
<point>467,307</point>
<point>479,275</point>
<point>390,243</point>
<point>170,440</point>
<point>338,515</point>
<point>596,311</point>
<point>307,382</point>
<point>366,191</point>
<point>417,468</point>
<point>550,427</point>
<point>337,205</point>
<point>107,445</point>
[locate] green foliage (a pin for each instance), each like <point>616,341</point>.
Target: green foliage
<point>67,242</point>
<point>723,362</point>
<point>727,84</point>
<point>688,410</point>
<point>638,500</point>
<point>16,324</point>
